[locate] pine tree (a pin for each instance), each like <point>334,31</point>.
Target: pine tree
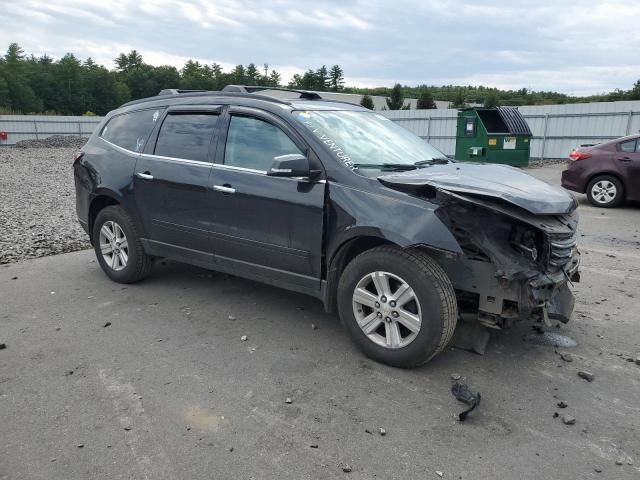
<point>274,79</point>
<point>458,99</point>
<point>322,78</point>
<point>425,100</point>
<point>252,74</point>
<point>367,102</point>
<point>336,78</point>
<point>396,100</point>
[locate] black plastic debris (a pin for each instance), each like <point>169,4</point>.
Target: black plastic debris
<point>464,394</point>
<point>3,346</point>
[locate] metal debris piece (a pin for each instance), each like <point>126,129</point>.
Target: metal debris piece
<point>464,394</point>
<point>244,338</point>
<point>588,376</point>
<point>288,400</point>
<point>383,432</point>
<point>568,420</point>
<point>232,318</point>
<point>346,469</point>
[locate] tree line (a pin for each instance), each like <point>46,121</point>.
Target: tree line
<point>70,86</point>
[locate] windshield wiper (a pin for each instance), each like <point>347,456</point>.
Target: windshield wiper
<point>387,166</point>
<point>433,161</point>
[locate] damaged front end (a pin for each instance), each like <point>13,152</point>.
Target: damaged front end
<point>516,264</point>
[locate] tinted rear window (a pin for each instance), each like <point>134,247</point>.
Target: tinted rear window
<point>186,135</point>
<point>130,130</point>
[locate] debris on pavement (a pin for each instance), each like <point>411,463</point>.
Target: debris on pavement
<point>288,401</point>
<point>14,278</point>
<point>107,324</point>
<point>3,346</point>
<point>555,415</point>
<point>383,432</point>
<point>244,338</point>
<point>638,360</point>
<point>568,420</point>
<point>314,326</point>
<point>81,445</point>
<point>471,336</point>
<point>346,469</point>
<point>562,404</point>
<point>232,318</point>
<point>588,376</point>
<point>313,445</point>
<point>597,469</point>
<point>567,357</point>
<point>439,473</point>
<point>620,461</point>
<point>550,339</point>
<point>455,376</point>
<point>464,394</point>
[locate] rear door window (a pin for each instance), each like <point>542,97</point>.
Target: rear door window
<point>186,135</point>
<point>628,146</point>
<point>130,130</point>
<point>252,143</point>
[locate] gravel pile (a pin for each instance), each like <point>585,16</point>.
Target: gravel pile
<point>37,204</point>
<point>54,141</point>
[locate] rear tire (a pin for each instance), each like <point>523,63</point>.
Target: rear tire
<point>118,247</point>
<point>387,330</point>
<point>605,191</point>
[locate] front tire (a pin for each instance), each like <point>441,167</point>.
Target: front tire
<point>398,306</point>
<point>118,247</point>
<point>605,191</point>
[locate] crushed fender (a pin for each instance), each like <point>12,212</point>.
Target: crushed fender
<point>464,394</point>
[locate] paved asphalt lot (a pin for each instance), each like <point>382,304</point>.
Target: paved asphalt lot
<point>169,390</point>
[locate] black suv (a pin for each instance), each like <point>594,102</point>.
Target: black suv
<point>332,200</point>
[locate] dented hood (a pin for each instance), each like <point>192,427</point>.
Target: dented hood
<point>489,180</point>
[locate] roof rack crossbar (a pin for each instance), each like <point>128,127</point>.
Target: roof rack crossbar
<point>305,94</point>
<point>177,91</point>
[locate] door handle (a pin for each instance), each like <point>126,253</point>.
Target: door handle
<point>226,189</point>
<point>144,176</point>
<point>624,159</point>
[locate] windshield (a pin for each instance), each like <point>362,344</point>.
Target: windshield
<point>367,139</point>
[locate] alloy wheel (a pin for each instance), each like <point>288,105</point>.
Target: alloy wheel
<point>387,309</point>
<point>114,246</point>
<point>604,192</point>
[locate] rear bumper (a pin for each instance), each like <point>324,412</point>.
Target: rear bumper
<point>573,180</point>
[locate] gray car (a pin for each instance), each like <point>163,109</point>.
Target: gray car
<point>334,201</point>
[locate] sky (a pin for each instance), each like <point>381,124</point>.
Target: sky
<point>578,47</point>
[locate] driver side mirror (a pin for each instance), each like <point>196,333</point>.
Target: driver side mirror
<point>292,165</point>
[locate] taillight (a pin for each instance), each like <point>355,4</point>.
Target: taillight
<point>578,155</point>
<point>77,156</point>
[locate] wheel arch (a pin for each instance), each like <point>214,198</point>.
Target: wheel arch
<point>104,198</point>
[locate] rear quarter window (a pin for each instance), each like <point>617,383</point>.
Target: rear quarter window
<point>131,130</point>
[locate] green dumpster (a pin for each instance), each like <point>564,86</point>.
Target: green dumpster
<point>493,135</point>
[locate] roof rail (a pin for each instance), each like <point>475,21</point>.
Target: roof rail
<point>305,94</point>
<point>177,91</point>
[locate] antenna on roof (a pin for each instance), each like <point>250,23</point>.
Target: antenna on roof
<point>305,94</point>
